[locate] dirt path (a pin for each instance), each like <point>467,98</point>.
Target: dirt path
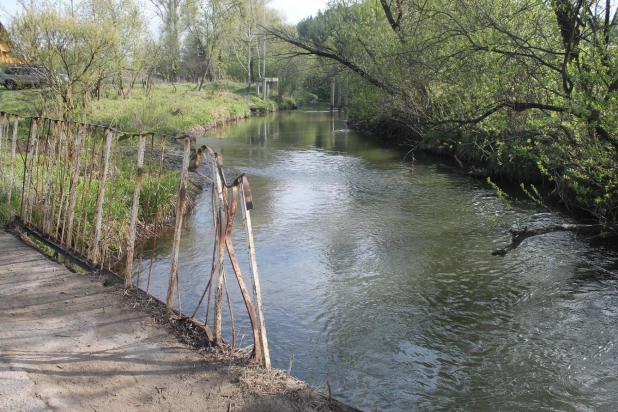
<point>68,343</point>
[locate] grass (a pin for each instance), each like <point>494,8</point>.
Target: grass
<point>166,109</point>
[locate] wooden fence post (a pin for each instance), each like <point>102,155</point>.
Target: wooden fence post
<point>180,209</point>
<point>133,224</point>
<point>94,253</point>
<point>12,162</point>
<point>265,361</point>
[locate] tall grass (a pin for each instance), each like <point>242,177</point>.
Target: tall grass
<point>170,108</point>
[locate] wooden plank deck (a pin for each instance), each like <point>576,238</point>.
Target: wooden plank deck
<point>69,343</point>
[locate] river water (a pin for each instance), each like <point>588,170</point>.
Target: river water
<point>377,276</point>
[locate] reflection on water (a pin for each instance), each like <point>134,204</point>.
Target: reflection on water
<point>378,276</point>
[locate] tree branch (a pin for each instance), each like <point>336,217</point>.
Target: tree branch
<point>518,236</point>
<point>392,90</point>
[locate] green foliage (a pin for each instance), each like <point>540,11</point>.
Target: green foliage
<point>529,88</point>
<point>503,196</point>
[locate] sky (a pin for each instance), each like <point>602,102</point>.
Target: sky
<point>296,10</point>
<point>293,10</point>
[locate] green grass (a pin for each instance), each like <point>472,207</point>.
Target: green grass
<point>170,109</point>
<point>166,109</point>
<point>25,103</point>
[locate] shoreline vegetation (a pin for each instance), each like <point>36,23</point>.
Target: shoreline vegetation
<point>164,108</point>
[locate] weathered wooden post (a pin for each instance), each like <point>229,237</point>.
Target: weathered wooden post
<point>12,162</point>
<point>94,252</point>
<point>180,209</point>
<point>133,224</point>
<point>246,205</point>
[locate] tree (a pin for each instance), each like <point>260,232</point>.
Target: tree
<point>73,51</point>
<point>210,27</point>
<point>132,55</point>
<point>520,84</point>
<point>170,11</point>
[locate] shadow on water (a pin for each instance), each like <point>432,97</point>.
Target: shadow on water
<point>377,276</point>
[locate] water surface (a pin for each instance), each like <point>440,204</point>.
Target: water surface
<point>377,276</point>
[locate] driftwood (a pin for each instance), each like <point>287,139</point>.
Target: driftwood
<point>518,236</point>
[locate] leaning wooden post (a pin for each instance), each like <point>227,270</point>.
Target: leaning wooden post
<point>133,225</point>
<point>97,229</point>
<point>246,205</point>
<point>12,162</point>
<point>180,210</point>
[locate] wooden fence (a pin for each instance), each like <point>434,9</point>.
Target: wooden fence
<point>91,192</point>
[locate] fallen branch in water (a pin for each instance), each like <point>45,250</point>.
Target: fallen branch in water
<point>518,236</point>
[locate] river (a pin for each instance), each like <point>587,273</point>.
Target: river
<point>377,276</point>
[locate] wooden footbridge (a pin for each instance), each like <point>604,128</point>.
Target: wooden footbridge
<point>94,195</point>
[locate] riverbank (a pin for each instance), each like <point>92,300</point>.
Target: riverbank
<point>163,109</point>
<point>80,342</point>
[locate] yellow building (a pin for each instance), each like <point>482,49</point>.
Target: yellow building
<point>5,50</point>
